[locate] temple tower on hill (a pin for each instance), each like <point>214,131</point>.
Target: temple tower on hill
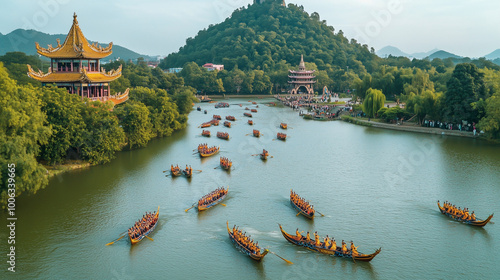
<point>302,79</point>
<point>75,65</point>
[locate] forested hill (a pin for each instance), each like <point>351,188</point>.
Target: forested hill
<point>263,35</point>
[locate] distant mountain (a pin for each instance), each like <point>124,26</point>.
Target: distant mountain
<point>420,55</point>
<point>496,61</point>
<point>391,50</point>
<point>22,40</point>
<point>493,55</point>
<point>442,55</point>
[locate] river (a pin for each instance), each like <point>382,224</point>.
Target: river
<point>376,187</point>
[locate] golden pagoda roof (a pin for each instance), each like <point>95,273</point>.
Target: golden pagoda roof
<point>75,46</point>
<point>83,76</point>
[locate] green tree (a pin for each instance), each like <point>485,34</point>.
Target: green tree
<point>374,100</point>
<point>103,136</point>
<point>134,119</point>
<point>63,112</point>
<point>465,87</point>
<point>22,129</point>
<point>490,124</point>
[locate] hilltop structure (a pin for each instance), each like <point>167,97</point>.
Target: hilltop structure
<point>301,79</point>
<point>75,65</point>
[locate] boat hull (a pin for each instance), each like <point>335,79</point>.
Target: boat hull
<point>208,206</point>
<point>243,249</point>
<point>137,240</point>
<point>477,223</point>
<point>302,211</point>
<point>337,252</point>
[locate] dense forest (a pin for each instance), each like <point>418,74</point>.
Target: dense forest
<point>46,125</point>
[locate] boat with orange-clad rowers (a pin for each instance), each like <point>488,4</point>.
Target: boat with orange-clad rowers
<point>227,124</point>
<point>283,125</point>
<point>206,124</point>
<point>250,122</point>
<point>188,171</point>
<point>223,135</point>
<point>208,151</point>
<point>245,244</point>
<point>175,171</point>
<point>216,117</point>
<point>256,133</point>
<point>225,163</point>
<point>214,122</point>
<point>328,246</point>
<point>210,200</point>
<point>247,115</point>
<point>143,227</point>
<point>301,205</point>
<point>281,136</point>
<point>205,133</point>
<point>230,118</point>
<point>264,154</point>
<point>253,110</point>
<point>462,215</point>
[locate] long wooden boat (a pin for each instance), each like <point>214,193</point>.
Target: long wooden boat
<point>246,108</point>
<point>225,163</point>
<point>320,249</point>
<point>223,135</point>
<point>227,124</point>
<point>264,155</point>
<point>258,257</point>
<point>250,122</point>
<point>230,118</point>
<point>302,211</point>
<point>206,153</point>
<point>216,117</point>
<point>188,172</point>
<point>134,240</point>
<point>205,133</point>
<point>283,125</point>
<point>202,147</point>
<point>256,133</point>
<point>175,171</point>
<point>247,115</point>
<point>477,222</point>
<point>214,122</point>
<point>281,136</point>
<point>206,124</point>
<point>203,207</point>
<point>253,110</point>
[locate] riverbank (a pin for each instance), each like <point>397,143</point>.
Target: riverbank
<point>69,165</point>
<point>410,128</point>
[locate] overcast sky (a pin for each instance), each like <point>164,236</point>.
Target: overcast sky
<point>159,27</point>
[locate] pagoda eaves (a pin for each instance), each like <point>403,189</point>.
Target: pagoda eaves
<point>75,46</point>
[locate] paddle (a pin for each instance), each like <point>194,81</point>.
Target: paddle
<point>320,213</point>
<point>194,204</point>
<point>198,170</point>
<point>223,204</point>
<point>297,214</point>
<point>111,243</point>
<point>149,238</point>
<point>289,262</point>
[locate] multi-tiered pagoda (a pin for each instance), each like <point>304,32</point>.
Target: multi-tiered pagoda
<point>75,65</point>
<point>302,79</point>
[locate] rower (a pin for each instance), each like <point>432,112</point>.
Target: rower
<point>326,242</point>
<point>473,216</point>
<point>354,249</point>
<point>308,237</point>
<point>316,238</point>
<point>344,247</point>
<point>299,236</point>
<point>334,245</point>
